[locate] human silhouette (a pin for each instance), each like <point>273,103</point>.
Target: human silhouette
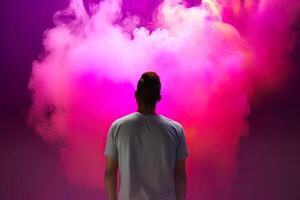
<point>148,150</point>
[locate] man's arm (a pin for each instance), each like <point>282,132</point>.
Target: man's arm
<point>180,179</point>
<point>111,178</point>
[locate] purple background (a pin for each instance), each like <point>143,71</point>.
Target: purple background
<point>269,159</point>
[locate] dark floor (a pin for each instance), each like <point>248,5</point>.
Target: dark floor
<point>30,167</point>
<point>269,160</point>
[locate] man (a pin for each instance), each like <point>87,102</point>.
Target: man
<point>148,149</point>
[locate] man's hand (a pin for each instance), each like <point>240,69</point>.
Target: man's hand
<point>111,178</point>
<point>180,179</point>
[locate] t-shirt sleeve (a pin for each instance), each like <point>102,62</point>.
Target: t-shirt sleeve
<point>182,149</point>
<point>111,150</point>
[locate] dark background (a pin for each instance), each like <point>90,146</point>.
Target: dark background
<point>268,160</point>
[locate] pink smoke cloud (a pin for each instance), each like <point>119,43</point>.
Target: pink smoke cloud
<point>212,59</point>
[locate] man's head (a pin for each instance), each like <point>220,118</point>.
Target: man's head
<point>148,89</point>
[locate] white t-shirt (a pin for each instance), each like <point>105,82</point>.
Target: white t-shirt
<point>146,147</point>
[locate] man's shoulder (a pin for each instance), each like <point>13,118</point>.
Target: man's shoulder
<point>172,122</point>
<point>125,119</point>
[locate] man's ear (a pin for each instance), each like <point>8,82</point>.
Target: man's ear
<point>159,98</point>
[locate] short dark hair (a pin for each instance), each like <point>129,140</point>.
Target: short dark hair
<point>148,88</point>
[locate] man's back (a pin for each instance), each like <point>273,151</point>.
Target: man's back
<point>146,147</point>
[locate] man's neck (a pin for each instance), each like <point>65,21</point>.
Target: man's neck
<point>147,110</point>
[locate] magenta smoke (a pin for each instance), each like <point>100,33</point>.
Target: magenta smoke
<point>213,59</point>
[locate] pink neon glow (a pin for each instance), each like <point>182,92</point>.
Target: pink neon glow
<point>210,70</point>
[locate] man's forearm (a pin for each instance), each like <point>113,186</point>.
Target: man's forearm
<point>180,186</point>
<point>111,186</point>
